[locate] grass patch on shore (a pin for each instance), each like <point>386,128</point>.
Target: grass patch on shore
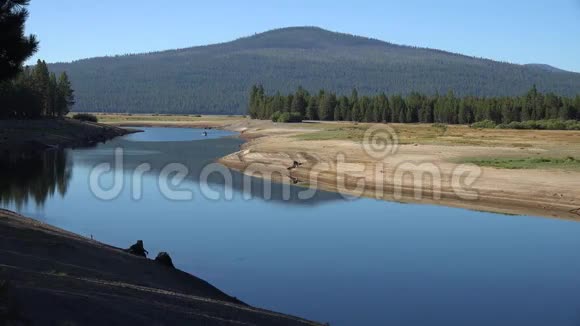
<point>342,133</point>
<point>568,163</point>
<point>407,134</point>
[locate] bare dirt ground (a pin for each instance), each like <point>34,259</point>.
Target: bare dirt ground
<point>52,277</point>
<point>333,158</point>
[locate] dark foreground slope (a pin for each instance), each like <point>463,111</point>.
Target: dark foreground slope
<point>217,78</point>
<point>52,277</point>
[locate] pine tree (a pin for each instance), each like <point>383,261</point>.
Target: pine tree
<point>357,112</point>
<point>414,103</point>
<point>15,47</point>
<point>343,109</point>
<point>552,104</point>
<point>41,84</point>
<point>577,107</point>
<point>288,103</point>
<point>427,112</point>
<point>52,96</point>
<point>299,102</point>
<point>326,106</point>
<point>383,103</point>
<point>353,98</point>
<point>397,109</point>
<point>528,111</point>
<point>366,109</point>
<point>253,104</point>
<point>377,111</point>
<point>312,110</point>
<point>337,116</point>
<point>65,95</point>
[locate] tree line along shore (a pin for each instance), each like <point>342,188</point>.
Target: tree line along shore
<point>533,110</point>
<point>35,93</point>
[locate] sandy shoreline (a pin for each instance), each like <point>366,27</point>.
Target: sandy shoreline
<point>271,148</point>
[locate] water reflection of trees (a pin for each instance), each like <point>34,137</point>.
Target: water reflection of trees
<point>33,176</point>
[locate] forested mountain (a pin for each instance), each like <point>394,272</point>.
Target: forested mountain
<point>217,78</point>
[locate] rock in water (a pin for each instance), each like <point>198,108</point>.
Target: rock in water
<point>164,259</point>
<point>137,249</point>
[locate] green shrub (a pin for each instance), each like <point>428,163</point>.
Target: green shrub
<point>531,124</point>
<point>276,116</point>
<point>515,125</point>
<point>286,117</point>
<point>85,117</point>
<point>572,125</point>
<point>485,124</point>
<point>553,124</point>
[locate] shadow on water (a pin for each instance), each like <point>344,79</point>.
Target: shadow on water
<point>34,176</point>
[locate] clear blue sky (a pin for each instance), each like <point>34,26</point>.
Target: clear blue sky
<point>518,31</point>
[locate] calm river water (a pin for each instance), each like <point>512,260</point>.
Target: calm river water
<point>346,262</point>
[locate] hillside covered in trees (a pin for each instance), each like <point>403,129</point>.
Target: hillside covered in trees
<point>217,78</point>
<point>413,108</point>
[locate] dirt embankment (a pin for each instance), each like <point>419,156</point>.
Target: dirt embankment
<point>421,170</point>
<point>52,277</point>
<point>36,135</point>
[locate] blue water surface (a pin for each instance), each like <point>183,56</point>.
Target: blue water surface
<point>361,262</point>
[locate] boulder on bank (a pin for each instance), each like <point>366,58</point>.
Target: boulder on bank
<point>138,249</point>
<point>164,259</point>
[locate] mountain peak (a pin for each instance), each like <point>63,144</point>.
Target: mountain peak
<point>307,37</point>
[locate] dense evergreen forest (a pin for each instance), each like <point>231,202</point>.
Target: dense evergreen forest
<point>413,108</point>
<point>31,92</point>
<point>35,93</point>
<point>215,79</point>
